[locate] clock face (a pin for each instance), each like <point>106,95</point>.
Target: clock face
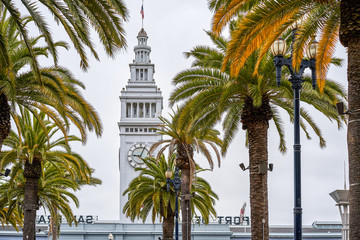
<point>136,153</point>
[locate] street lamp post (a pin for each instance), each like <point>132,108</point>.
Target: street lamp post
<point>278,49</point>
<point>176,182</point>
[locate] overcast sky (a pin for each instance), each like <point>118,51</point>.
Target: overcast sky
<point>174,27</point>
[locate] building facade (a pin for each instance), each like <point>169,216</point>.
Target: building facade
<point>141,105</point>
<point>101,230</point>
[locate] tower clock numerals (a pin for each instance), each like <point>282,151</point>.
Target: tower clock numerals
<point>136,153</point>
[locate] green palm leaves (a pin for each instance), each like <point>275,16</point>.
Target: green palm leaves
<point>148,193</point>
<point>37,151</point>
<point>57,95</point>
<point>185,138</point>
<point>207,93</point>
<point>77,18</point>
<point>262,22</point>
<point>44,169</point>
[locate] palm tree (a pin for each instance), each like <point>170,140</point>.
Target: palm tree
<point>78,18</point>
<point>148,195</point>
<point>251,101</point>
<point>54,195</point>
<point>184,139</point>
<point>35,144</point>
<point>57,96</point>
<point>334,19</point>
<point>52,189</point>
<point>350,38</point>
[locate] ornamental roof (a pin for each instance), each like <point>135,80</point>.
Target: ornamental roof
<point>142,33</point>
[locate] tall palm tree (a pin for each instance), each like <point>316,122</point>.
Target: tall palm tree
<point>54,195</point>
<point>184,139</point>
<point>52,189</point>
<point>78,19</point>
<point>58,95</point>
<point>251,101</point>
<point>350,38</point>
<point>35,144</point>
<point>334,19</point>
<point>148,195</point>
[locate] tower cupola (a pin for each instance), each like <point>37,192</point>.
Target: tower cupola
<point>142,50</point>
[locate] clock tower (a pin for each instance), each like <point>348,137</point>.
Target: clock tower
<point>141,105</point>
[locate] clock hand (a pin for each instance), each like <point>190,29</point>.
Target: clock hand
<point>142,151</point>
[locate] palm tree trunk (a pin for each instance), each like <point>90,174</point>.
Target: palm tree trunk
<point>353,135</point>
<point>32,174</point>
<point>54,224</point>
<point>30,204</point>
<point>168,225</point>
<point>183,163</point>
<point>185,204</point>
<point>258,154</point>
<point>350,38</point>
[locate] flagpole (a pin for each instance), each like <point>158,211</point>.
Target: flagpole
<point>142,18</point>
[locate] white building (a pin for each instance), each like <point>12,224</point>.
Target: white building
<point>141,105</point>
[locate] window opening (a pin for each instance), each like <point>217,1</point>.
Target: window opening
<point>134,110</point>
<point>153,110</point>
<point>141,110</point>
<point>147,110</point>
<point>128,110</point>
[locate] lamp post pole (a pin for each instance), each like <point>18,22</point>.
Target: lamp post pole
<point>278,49</point>
<point>176,182</point>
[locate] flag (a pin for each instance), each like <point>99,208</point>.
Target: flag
<point>142,11</point>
